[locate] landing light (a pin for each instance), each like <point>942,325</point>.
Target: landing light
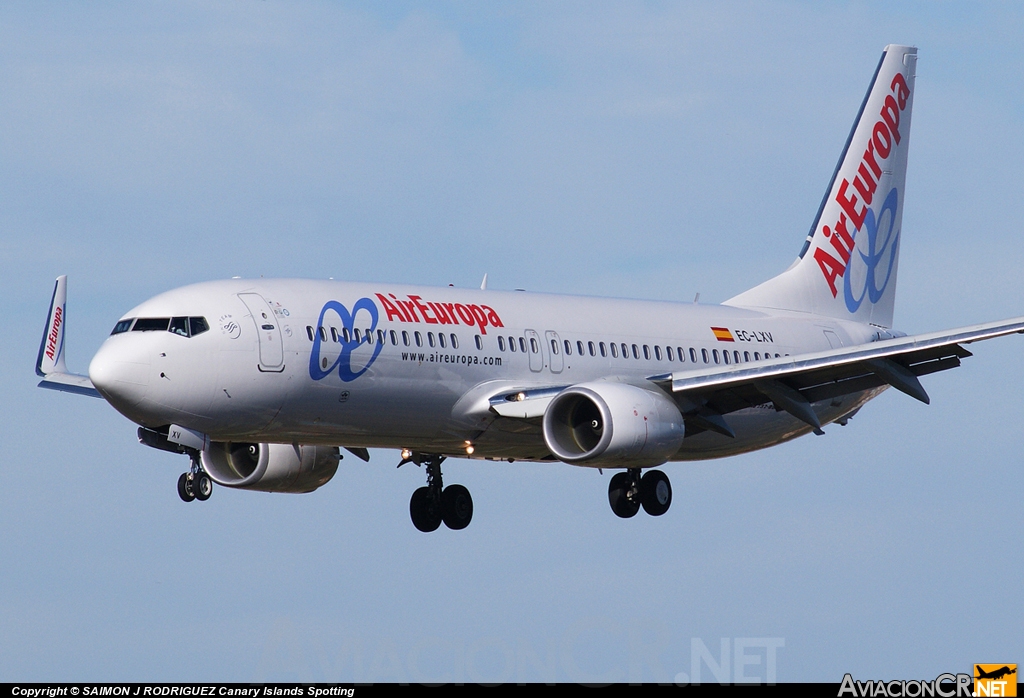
<point>406,454</point>
<point>469,448</point>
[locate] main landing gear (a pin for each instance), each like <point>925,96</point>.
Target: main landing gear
<point>435,503</point>
<point>627,492</point>
<point>195,484</point>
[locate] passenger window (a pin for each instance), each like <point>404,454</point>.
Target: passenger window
<point>405,338</point>
<point>197,325</point>
<point>419,338</point>
<point>381,337</point>
<point>346,335</point>
<point>725,355</point>
<point>615,350</point>
<point>757,356</point>
<point>693,356</point>
<point>179,326</point>
<point>309,332</point>
<point>359,337</point>
<point>155,324</point>
<point>369,336</point>
<point>121,326</point>
<point>746,356</point>
<point>501,343</point>
<point>430,339</point>
<point>736,356</point>
<point>682,355</point>
<point>511,344</point>
<point>455,341</point>
<point>582,351</point>
<point>334,335</point>
<point>534,347</point>
<point>568,348</point>
<point>625,351</point>
<point>441,340</point>
<point>657,352</point>
<point>647,352</point>
<point>714,353</point>
<point>323,334</point>
<point>703,354</point>
<point>394,338</point>
<point>604,354</point>
<point>522,345</point>
<point>554,348</point>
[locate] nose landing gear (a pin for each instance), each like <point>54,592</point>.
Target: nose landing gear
<point>195,484</point>
<point>435,503</point>
<point>627,492</point>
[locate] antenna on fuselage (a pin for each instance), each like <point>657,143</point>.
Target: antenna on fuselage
<point>696,299</point>
<point>483,284</point>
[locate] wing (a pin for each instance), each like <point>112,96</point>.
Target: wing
<point>792,383</point>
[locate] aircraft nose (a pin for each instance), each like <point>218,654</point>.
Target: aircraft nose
<point>120,374</point>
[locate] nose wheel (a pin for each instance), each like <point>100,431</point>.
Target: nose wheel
<point>435,504</point>
<point>195,484</point>
<point>627,492</point>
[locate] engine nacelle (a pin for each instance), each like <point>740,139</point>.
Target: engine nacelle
<point>613,424</point>
<point>270,467</point>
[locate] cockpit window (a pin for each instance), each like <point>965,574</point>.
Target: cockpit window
<point>183,326</point>
<point>151,324</point>
<point>179,325</point>
<point>197,325</point>
<point>122,326</point>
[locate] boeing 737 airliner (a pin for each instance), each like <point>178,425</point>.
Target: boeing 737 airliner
<point>261,383</point>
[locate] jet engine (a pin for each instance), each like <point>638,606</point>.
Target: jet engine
<point>604,424</point>
<point>270,467</point>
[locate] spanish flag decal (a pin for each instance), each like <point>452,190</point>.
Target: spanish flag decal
<point>722,334</point>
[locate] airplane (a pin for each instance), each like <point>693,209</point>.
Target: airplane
<point>996,674</point>
<point>262,382</point>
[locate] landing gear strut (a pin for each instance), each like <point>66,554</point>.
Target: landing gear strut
<point>436,503</point>
<point>195,484</point>
<point>627,492</point>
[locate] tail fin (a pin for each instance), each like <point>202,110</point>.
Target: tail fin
<point>847,267</point>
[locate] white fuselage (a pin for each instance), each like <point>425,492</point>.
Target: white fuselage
<point>256,374</point>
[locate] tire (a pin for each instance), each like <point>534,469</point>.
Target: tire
<point>202,486</point>
<point>456,507</point>
<point>425,514</point>
<point>656,492</point>
<point>185,488</point>
<point>621,504</point>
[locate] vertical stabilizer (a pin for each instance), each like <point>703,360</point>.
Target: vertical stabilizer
<point>847,267</point>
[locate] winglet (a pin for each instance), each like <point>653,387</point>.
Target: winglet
<point>50,364</point>
<point>51,348</point>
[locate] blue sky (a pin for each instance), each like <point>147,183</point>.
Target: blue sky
<point>650,150</point>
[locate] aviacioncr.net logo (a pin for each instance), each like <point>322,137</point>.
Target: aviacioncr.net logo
<point>354,356</point>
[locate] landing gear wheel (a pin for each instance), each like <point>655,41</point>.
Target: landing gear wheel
<point>185,488</point>
<point>424,510</point>
<point>656,492</point>
<point>202,486</point>
<point>456,507</point>
<point>619,488</point>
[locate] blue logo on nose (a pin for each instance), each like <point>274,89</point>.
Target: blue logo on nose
<point>878,252</point>
<point>343,364</point>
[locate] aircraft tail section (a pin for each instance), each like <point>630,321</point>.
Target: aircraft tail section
<point>847,267</point>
